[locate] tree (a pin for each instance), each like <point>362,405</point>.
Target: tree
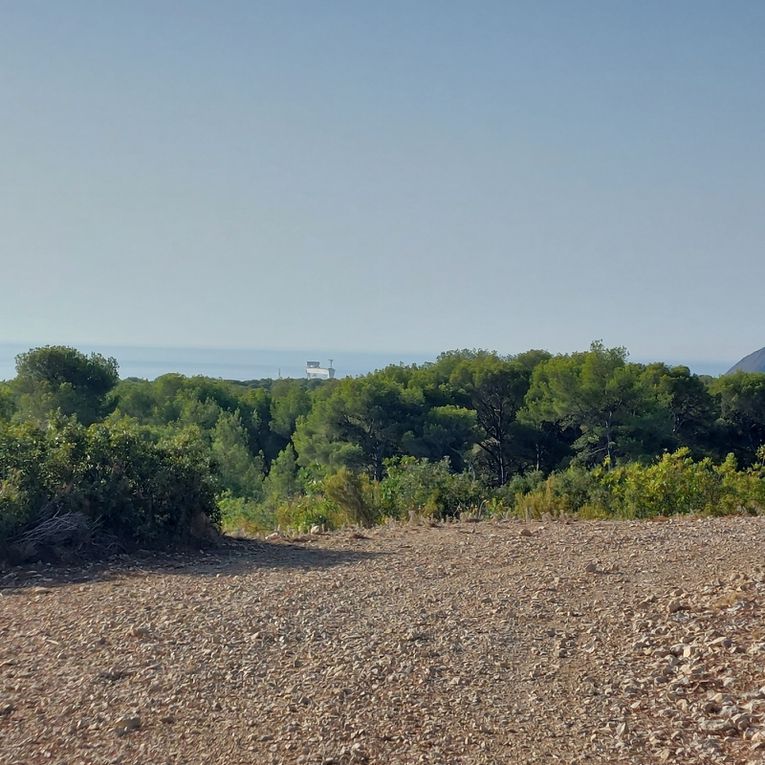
<point>605,399</point>
<point>7,405</point>
<point>742,412</point>
<point>205,414</point>
<point>497,396</point>
<point>136,399</point>
<point>446,432</point>
<point>282,481</point>
<point>290,400</point>
<point>494,388</point>
<point>692,407</point>
<point>356,423</point>
<point>57,378</point>
<point>240,471</point>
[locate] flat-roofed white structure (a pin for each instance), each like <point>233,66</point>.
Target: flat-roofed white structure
<point>315,371</point>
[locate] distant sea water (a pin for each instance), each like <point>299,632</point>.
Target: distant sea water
<point>256,364</point>
<point>229,364</point>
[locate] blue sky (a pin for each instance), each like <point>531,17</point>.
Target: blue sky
<point>389,176</point>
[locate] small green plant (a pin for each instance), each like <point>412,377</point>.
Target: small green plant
<point>354,494</point>
<point>565,493</point>
<point>675,484</point>
<point>429,489</point>
<point>242,516</point>
<point>300,514</point>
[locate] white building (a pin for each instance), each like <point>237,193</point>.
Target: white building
<point>315,371</point>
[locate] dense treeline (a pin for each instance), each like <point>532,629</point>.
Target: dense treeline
<point>471,430</point>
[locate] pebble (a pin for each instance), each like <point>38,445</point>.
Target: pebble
<point>674,606</point>
<point>126,724</point>
<point>403,649</point>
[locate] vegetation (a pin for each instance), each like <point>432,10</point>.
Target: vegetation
<point>63,482</point>
<point>673,484</point>
<point>474,432</point>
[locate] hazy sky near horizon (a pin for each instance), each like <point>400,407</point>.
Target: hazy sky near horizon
<point>408,176</point>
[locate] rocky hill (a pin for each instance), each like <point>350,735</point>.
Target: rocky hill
<point>754,362</point>
<point>469,644</point>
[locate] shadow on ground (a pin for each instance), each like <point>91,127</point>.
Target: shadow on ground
<point>229,558</point>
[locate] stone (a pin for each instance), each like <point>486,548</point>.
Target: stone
<point>741,721</point>
<point>674,606</point>
<point>711,745</point>
<point>406,647</point>
<point>717,727</point>
<point>127,724</point>
<point>757,740</point>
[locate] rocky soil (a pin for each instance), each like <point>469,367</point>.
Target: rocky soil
<point>496,642</point>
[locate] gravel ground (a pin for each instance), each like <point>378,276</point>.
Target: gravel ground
<point>495,642</point>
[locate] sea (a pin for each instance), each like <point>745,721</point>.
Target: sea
<point>228,364</point>
<point>258,363</point>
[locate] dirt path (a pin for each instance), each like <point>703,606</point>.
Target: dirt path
<point>474,643</point>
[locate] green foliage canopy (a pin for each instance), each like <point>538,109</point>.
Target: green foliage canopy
<point>603,397</point>
<point>56,378</point>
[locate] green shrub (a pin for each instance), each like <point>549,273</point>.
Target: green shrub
<point>428,488</point>
<point>301,513</point>
<point>574,490</point>
<point>743,490</point>
<point>354,495</point>
<point>114,476</point>
<point>543,500</point>
<point>521,483</point>
<point>244,516</point>
<point>675,484</point>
